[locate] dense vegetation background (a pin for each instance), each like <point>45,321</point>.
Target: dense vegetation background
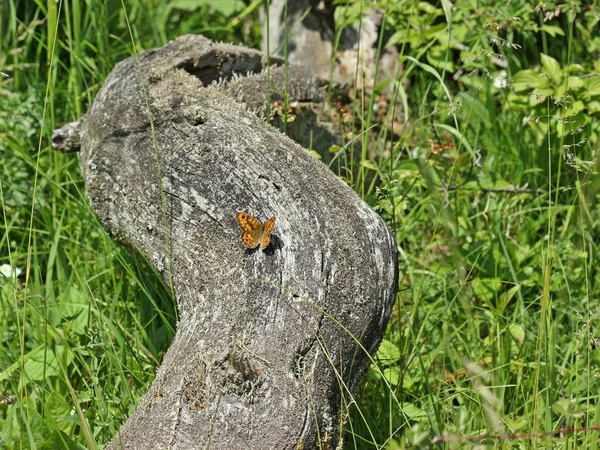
<point>490,184</point>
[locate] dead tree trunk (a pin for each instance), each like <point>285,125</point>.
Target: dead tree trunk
<point>269,341</point>
<point>306,31</point>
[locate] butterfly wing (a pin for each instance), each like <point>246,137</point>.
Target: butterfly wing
<point>252,229</point>
<point>266,234</point>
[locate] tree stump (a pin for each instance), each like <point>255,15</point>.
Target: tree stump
<point>306,31</point>
<point>269,340</point>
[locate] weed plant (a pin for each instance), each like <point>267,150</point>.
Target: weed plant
<point>491,187</point>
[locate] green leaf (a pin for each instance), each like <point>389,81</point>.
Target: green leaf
<point>399,37</point>
<point>440,61</point>
<point>369,165</point>
<point>464,142</point>
<point>41,363</point>
<point>40,431</point>
<point>528,79</point>
<point>447,6</point>
<point>517,332</point>
<point>552,30</point>
<point>568,408</point>
<point>413,412</point>
<point>570,125</point>
<point>506,297</point>
<point>573,84</point>
<point>226,7</point>
<point>576,107</point>
<point>392,375</point>
<point>593,107</point>
<point>592,86</point>
<point>429,9</point>
<point>552,68</point>
<point>492,181</point>
<point>388,352</point>
<point>486,288</point>
<point>541,93</point>
<point>73,310</point>
<point>59,441</point>
<point>432,71</point>
<point>315,153</point>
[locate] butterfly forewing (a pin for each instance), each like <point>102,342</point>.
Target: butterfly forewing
<point>248,222</point>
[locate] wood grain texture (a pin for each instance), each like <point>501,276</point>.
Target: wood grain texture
<point>259,354</point>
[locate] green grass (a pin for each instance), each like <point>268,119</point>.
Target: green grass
<point>495,328</point>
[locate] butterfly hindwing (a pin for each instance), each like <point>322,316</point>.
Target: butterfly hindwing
<point>249,240</point>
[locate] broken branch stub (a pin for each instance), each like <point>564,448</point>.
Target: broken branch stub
<point>267,339</point>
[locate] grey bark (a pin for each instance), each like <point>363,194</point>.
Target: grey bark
<point>269,341</point>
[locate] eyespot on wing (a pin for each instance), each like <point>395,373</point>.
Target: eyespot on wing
<point>248,239</point>
<point>247,222</point>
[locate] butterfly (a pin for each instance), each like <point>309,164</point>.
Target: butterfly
<point>254,232</point>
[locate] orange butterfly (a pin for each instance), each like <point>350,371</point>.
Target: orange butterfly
<point>254,232</point>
